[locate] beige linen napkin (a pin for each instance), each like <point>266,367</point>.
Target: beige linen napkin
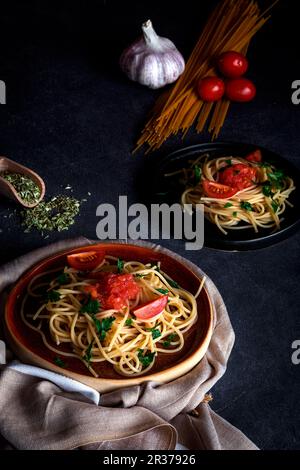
<point>37,414</point>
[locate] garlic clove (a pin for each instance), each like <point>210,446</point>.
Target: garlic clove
<point>152,60</point>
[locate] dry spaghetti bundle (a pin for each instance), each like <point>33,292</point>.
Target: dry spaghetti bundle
<point>230,27</point>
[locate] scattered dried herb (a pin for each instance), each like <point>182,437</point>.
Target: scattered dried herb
<point>27,189</point>
<point>56,214</point>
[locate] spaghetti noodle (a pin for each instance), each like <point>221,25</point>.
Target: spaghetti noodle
<point>230,27</point>
<point>260,196</point>
<point>115,335</point>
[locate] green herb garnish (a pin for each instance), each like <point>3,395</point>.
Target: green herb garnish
<point>234,214</point>
<point>275,206</point>
<point>104,326</point>
<point>169,339</point>
<point>53,296</point>
<point>146,358</point>
<point>227,205</point>
<point>173,283</point>
<point>276,177</point>
<point>63,278</point>
<point>229,162</point>
<point>59,362</point>
<point>246,206</point>
<point>267,189</point>
<point>57,214</point>
<point>27,189</point>
<point>128,322</point>
<point>138,275</point>
<point>197,174</point>
<point>91,306</point>
<point>163,291</point>
<point>155,332</point>
<point>120,265</point>
<point>88,353</point>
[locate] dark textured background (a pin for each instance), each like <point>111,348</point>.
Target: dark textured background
<point>73,117</point>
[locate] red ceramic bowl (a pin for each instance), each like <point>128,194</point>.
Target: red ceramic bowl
<point>29,347</point>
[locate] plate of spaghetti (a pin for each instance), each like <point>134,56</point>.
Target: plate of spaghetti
<point>248,193</point>
<point>111,315</point>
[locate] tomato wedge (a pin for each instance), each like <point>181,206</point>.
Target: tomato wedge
<point>239,176</point>
<point>151,309</point>
<point>217,190</point>
<point>255,156</point>
<point>85,261</point>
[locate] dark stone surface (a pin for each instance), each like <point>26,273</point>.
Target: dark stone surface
<point>73,117</point>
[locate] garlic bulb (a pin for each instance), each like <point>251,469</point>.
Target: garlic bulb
<point>151,60</point>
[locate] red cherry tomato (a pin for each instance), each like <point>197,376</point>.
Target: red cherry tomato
<point>216,190</point>
<point>241,90</point>
<point>151,309</point>
<point>211,88</point>
<point>85,261</point>
<point>232,64</point>
<point>238,176</point>
<point>255,156</point>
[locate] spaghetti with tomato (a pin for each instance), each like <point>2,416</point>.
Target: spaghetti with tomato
<point>106,309</point>
<point>238,193</point>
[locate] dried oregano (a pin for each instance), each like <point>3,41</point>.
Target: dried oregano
<point>56,214</point>
<point>27,189</point>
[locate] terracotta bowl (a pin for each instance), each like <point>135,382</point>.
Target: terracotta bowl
<point>29,347</point>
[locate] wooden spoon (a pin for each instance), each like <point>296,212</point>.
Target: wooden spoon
<point>9,191</point>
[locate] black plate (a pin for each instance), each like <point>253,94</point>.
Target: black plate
<point>246,239</point>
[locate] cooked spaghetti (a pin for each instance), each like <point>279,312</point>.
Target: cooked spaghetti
<point>238,193</point>
<point>125,318</point>
<point>230,27</point>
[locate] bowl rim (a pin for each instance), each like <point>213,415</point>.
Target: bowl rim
<point>123,381</point>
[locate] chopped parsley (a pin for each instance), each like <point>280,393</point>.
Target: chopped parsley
<point>197,174</point>
<point>173,283</point>
<point>246,206</point>
<point>267,189</point>
<point>88,353</point>
<point>63,278</point>
<point>155,332</point>
<point>275,206</point>
<point>53,296</point>
<point>92,306</point>
<point>227,205</point>
<point>120,265</point>
<point>59,362</point>
<point>169,339</point>
<point>234,214</point>
<point>277,177</point>
<point>104,326</point>
<point>229,162</point>
<point>163,291</point>
<point>128,322</point>
<point>145,359</point>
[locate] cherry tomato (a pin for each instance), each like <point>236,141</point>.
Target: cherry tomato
<point>85,261</point>
<point>211,88</point>
<point>232,64</point>
<point>241,90</point>
<point>151,309</point>
<point>238,176</point>
<point>219,191</point>
<point>254,156</point>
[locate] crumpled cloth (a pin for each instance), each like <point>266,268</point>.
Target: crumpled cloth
<point>37,414</point>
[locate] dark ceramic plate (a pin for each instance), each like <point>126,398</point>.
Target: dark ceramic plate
<point>168,190</point>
